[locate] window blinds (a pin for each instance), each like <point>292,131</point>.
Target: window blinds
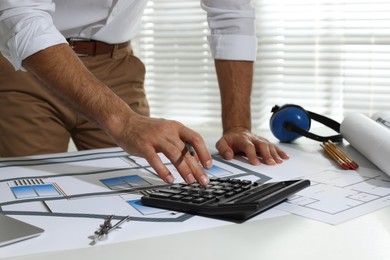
<point>180,79</point>
<point>331,57</point>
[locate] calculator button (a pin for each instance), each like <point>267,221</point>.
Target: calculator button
<point>187,199</point>
<point>208,191</point>
<point>185,193</point>
<point>176,186</point>
<point>195,190</point>
<point>160,195</point>
<point>246,182</point>
<point>238,190</point>
<point>209,196</point>
<point>246,187</point>
<point>224,184</point>
<point>234,181</point>
<point>171,191</point>
<point>199,200</point>
<point>229,194</point>
<point>176,197</point>
<point>195,195</point>
<point>219,192</point>
<point>195,185</point>
<point>228,189</point>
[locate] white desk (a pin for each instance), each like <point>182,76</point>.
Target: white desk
<point>286,237</point>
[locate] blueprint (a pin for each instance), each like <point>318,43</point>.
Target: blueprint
<point>93,186</point>
<point>335,195</point>
<point>69,195</point>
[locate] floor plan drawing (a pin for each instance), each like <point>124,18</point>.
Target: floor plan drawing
<point>92,191</point>
<point>70,195</point>
<point>336,196</point>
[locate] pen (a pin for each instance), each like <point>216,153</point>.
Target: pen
<point>190,149</point>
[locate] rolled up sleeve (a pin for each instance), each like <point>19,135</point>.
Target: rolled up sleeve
<point>233,33</point>
<point>26,27</point>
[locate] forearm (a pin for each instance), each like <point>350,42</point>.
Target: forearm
<point>64,75</point>
<point>235,82</point>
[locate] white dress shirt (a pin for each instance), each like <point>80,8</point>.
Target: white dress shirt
<point>28,26</point>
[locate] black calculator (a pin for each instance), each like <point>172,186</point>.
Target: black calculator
<point>224,198</point>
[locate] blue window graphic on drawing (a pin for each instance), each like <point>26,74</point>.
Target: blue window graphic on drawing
<point>144,210</point>
<point>125,182</point>
<point>216,171</point>
<point>34,191</point>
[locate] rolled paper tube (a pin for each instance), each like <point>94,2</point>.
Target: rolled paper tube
<point>369,138</point>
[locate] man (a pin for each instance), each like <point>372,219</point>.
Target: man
<point>77,51</point>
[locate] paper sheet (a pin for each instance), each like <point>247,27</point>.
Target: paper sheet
<point>69,195</point>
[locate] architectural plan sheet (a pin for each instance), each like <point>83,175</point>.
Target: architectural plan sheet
<point>70,195</point>
<point>335,195</point>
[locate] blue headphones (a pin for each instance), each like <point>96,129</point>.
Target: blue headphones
<point>290,122</point>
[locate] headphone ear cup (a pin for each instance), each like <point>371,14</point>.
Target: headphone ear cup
<point>286,116</point>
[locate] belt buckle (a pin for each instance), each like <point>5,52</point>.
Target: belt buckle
<point>71,40</point>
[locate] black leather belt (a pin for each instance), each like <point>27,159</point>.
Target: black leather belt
<point>86,47</point>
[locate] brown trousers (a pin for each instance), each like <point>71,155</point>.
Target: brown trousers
<point>32,121</point>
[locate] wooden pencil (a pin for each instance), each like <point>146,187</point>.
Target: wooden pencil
<point>343,164</point>
<point>343,155</point>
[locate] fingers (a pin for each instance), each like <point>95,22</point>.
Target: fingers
<point>267,152</point>
<point>250,150</point>
<point>162,171</point>
<point>202,153</point>
<point>252,146</point>
<point>195,143</point>
<point>150,136</point>
<point>224,149</point>
<point>281,153</point>
<point>196,170</point>
<point>186,164</point>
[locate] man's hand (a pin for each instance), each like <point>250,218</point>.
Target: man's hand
<point>145,137</point>
<point>235,82</point>
<point>240,140</point>
<point>66,77</point>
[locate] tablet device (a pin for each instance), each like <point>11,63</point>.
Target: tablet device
<point>13,230</point>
